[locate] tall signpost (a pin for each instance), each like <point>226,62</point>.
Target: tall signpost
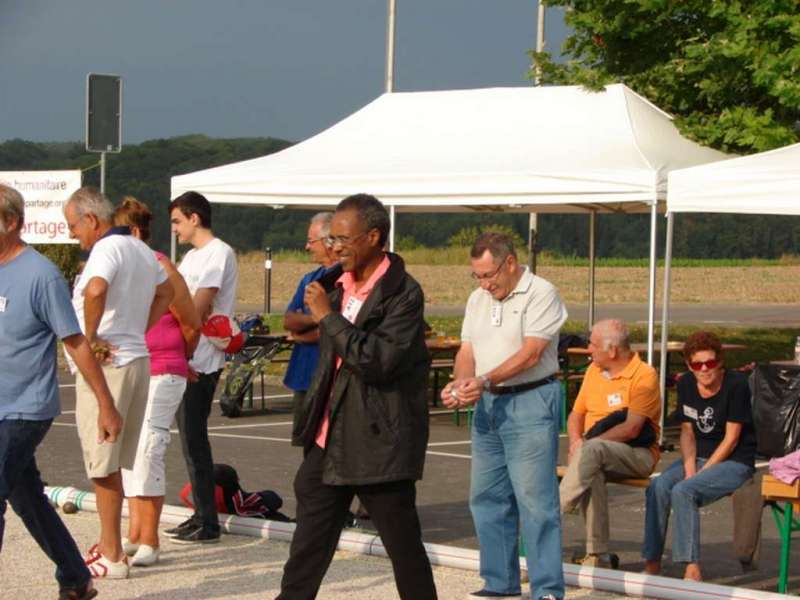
<point>533,220</point>
<point>103,117</point>
<point>391,20</point>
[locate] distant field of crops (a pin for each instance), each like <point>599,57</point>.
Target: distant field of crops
<point>458,256</point>
<point>449,283</point>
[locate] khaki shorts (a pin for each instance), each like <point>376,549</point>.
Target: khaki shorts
<point>128,385</point>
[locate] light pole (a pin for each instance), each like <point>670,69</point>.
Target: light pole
<point>391,17</point>
<point>533,218</point>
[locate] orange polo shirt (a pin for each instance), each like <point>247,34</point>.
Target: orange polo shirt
<point>635,388</point>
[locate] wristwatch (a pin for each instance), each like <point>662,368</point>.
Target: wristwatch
<point>486,382</point>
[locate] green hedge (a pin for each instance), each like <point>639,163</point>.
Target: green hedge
<point>65,256</point>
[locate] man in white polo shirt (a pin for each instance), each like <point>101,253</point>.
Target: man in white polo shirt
<point>506,366</point>
<point>121,292</point>
<point>211,272</point>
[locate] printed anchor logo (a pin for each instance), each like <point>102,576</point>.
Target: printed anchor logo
<point>705,422</point>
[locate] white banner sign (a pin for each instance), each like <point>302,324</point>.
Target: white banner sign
<point>45,194</point>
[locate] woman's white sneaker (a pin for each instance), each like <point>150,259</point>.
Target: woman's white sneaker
<point>129,547</point>
<point>100,566</point>
<point>145,556</point>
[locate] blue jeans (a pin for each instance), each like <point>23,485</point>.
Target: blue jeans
<point>514,454</point>
<point>685,497</point>
<point>21,485</point>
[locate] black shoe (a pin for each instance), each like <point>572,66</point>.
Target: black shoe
<point>197,535</point>
<point>187,525</point>
<point>488,594</point>
<point>87,592</point>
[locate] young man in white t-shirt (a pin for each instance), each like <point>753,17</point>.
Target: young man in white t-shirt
<point>121,293</point>
<point>211,273</point>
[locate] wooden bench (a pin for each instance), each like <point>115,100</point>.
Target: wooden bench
<point>747,510</point>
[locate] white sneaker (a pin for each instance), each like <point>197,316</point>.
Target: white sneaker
<point>100,567</point>
<point>129,547</point>
<point>145,556</point>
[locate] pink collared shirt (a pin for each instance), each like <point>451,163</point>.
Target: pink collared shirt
<point>352,301</point>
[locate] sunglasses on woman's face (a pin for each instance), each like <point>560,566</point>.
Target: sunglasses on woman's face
<point>696,365</point>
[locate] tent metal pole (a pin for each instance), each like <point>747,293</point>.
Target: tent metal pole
<point>391,227</point>
<point>173,246</point>
<point>533,231</point>
<point>651,294</point>
<point>391,18</point>
<point>592,260</point>
<point>664,363</point>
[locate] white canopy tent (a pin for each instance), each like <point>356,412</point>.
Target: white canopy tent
<point>767,183</point>
<point>531,149</point>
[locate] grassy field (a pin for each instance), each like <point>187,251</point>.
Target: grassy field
<point>447,282</point>
<point>456,256</point>
<point>450,284</point>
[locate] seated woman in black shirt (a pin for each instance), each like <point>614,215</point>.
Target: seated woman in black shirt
<point>718,448</point>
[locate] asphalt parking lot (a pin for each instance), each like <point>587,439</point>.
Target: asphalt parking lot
<point>258,446</point>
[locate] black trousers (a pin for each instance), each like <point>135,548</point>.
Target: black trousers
<point>192,419</point>
<point>321,510</point>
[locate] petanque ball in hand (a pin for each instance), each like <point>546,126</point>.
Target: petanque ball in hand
<point>70,508</point>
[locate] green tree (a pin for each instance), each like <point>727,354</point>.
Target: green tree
<point>464,238</point>
<point>729,70</point>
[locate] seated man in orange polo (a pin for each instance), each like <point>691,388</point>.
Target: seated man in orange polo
<point>613,433</point>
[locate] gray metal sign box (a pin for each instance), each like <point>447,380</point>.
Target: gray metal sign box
<point>103,113</point>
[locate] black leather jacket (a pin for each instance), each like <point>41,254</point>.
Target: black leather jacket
<point>379,411</point>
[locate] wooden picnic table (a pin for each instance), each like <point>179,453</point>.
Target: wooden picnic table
<point>443,344</point>
<point>672,347</point>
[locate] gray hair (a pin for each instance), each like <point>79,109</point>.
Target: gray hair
<point>499,245</point>
<point>90,201</point>
<point>324,219</point>
<point>614,334</point>
<point>12,205</point>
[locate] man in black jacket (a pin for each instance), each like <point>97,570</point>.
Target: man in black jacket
<point>364,422</point>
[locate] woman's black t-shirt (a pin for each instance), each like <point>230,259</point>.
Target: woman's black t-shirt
<point>709,415</point>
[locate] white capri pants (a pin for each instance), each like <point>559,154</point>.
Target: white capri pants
<point>148,476</point>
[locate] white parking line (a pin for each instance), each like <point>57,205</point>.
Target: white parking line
<point>272,439</point>
<point>250,425</point>
<point>468,456</point>
<point>268,397</point>
<point>247,437</point>
<point>449,443</point>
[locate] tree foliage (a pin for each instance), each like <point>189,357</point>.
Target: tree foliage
<point>729,70</point>
<point>465,237</point>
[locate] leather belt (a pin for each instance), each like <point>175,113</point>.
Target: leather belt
<point>499,390</point>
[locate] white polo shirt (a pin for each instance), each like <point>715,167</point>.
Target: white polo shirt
<point>132,272</point>
<point>497,328</point>
<point>212,266</point>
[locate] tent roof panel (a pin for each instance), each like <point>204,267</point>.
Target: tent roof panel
<point>551,145</point>
<point>765,183</point>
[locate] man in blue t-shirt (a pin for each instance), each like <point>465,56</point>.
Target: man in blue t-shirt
<point>35,310</point>
<point>298,321</point>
